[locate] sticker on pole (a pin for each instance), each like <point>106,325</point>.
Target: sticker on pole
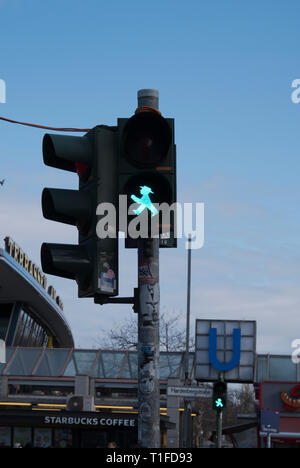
<point>145,275</point>
<point>107,279</point>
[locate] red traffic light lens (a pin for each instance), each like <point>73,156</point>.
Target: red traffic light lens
<point>82,170</point>
<point>147,138</point>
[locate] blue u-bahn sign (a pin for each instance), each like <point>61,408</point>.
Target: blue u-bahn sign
<point>236,350</point>
<point>226,346</point>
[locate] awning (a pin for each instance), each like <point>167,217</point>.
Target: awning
<point>17,285</point>
<point>75,420</point>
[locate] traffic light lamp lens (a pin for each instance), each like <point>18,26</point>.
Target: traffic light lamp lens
<point>220,387</point>
<point>219,403</point>
<point>159,189</point>
<point>219,395</point>
<point>147,138</point>
<point>82,170</point>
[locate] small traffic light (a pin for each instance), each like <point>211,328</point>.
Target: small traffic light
<point>147,170</point>
<point>219,395</point>
<point>93,262</point>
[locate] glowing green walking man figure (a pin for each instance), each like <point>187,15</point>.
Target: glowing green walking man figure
<point>144,201</point>
<point>219,403</point>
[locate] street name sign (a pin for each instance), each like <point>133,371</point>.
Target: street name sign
<point>189,392</point>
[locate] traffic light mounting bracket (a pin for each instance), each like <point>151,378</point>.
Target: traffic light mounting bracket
<point>101,299</point>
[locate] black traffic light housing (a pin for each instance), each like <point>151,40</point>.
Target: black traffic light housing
<point>93,262</point>
<point>147,157</point>
<point>219,395</point>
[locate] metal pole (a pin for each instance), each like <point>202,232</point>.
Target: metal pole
<point>219,420</point>
<point>219,430</point>
<point>187,347</point>
<point>188,310</point>
<point>148,326</point>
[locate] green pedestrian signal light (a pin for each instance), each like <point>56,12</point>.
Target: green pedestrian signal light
<point>219,403</point>
<point>144,201</point>
<point>147,172</point>
<point>219,395</point>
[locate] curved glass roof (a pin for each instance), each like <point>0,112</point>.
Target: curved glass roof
<point>99,364</point>
<point>123,365</point>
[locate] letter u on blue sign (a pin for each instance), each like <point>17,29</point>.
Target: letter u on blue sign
<point>236,351</point>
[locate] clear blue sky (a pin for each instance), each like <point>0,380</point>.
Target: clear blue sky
<point>224,72</point>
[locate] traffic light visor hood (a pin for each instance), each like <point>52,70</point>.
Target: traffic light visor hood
<point>147,138</point>
<point>65,260</point>
<point>63,151</point>
<point>67,206</point>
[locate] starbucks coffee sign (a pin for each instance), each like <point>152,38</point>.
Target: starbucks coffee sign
<point>89,421</point>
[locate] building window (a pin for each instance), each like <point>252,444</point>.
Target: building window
<point>5,313</point>
<point>62,438</point>
<point>22,436</point>
<point>42,437</point>
<point>29,332</point>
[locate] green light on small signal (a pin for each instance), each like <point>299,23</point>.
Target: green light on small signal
<point>219,403</point>
<point>144,201</point>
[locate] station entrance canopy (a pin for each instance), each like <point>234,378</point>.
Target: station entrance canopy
<point>19,286</point>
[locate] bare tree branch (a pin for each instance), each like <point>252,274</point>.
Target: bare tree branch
<point>124,335</point>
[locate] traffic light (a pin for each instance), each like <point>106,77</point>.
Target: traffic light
<point>147,172</point>
<point>93,262</point>
<point>219,395</point>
